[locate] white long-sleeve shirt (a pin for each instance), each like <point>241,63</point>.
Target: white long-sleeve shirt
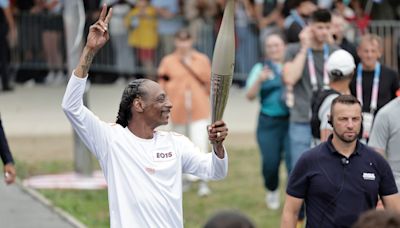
<point>144,176</point>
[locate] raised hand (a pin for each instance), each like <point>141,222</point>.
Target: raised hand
<point>217,133</point>
<point>305,37</point>
<point>97,37</point>
<point>265,74</point>
<point>98,32</point>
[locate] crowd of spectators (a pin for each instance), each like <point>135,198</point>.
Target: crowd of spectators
<point>142,30</point>
<point>282,48</point>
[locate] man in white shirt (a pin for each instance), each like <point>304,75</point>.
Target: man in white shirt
<point>340,67</point>
<point>143,166</point>
<point>385,135</point>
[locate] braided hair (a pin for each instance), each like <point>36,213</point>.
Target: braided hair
<point>132,91</point>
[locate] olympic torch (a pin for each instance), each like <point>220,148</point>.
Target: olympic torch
<point>223,63</point>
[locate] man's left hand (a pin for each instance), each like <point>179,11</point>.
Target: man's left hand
<point>9,173</point>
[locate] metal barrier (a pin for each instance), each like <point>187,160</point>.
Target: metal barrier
<point>390,33</point>
<point>116,57</point>
<point>33,32</point>
<point>33,51</point>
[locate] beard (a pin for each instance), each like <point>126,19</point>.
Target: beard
<point>346,139</point>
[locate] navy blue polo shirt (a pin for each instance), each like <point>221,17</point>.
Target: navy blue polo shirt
<point>336,190</point>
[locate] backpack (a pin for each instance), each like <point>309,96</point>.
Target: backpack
<point>316,102</point>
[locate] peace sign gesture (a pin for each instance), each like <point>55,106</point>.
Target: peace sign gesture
<point>97,37</point>
<point>98,32</point>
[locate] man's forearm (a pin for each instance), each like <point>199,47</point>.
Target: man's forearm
<point>392,202</point>
<point>294,69</point>
<point>291,211</point>
<point>254,89</point>
<point>9,17</point>
<point>85,62</point>
<point>219,150</point>
<point>289,219</point>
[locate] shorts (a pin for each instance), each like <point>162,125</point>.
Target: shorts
<point>146,54</point>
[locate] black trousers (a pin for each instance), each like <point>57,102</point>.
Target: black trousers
<point>5,153</point>
<point>4,57</point>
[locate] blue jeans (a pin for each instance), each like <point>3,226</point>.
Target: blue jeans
<point>273,140</point>
<point>300,140</point>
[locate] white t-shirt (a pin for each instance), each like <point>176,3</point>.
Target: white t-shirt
<point>144,176</point>
<point>385,135</point>
<point>324,111</point>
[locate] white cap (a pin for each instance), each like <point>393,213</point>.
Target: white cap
<point>340,61</point>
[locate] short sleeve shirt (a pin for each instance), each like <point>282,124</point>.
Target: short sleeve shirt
<point>325,110</point>
<point>385,135</point>
<point>301,111</point>
<point>336,189</point>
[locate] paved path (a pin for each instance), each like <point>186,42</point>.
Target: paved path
<point>21,210</point>
<point>36,111</point>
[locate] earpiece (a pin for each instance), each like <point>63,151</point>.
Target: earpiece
<point>330,121</point>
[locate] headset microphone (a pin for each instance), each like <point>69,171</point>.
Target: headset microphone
<point>345,161</point>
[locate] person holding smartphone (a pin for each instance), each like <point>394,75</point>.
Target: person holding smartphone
<point>265,82</point>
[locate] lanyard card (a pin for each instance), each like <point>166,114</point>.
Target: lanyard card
<point>368,118</point>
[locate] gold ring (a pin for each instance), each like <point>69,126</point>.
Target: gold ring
<point>218,134</point>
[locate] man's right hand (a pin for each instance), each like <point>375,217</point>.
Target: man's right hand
<point>97,37</point>
<point>305,37</point>
<point>217,133</point>
<point>98,32</point>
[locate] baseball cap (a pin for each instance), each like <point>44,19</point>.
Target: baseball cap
<point>340,63</point>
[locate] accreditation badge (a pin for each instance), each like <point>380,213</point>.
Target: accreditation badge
<point>368,118</point>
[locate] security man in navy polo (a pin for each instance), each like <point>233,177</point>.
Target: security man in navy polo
<point>341,178</point>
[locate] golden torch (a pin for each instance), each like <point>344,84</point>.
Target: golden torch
<point>223,63</point>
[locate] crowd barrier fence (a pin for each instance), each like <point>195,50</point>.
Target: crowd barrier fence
<point>118,58</point>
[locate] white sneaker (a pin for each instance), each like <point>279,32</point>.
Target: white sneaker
<point>187,181</point>
<point>192,178</point>
<point>30,83</point>
<point>272,199</point>
<point>204,190</point>
<point>186,185</point>
<point>49,79</point>
<point>59,79</point>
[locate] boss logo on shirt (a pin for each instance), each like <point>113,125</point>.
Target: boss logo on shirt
<point>369,176</point>
<point>159,156</point>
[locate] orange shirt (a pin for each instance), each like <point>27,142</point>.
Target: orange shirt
<point>181,80</point>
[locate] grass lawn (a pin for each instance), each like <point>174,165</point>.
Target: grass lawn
<point>241,190</point>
